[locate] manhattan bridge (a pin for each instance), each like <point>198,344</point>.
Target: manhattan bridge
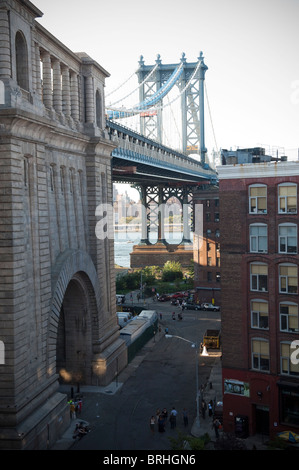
<point>170,107</point>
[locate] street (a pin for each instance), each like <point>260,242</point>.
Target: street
<point>165,378</point>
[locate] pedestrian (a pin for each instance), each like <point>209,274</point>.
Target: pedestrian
<point>152,424</point>
<point>79,406</point>
<point>138,296</point>
<point>165,413</point>
<point>203,409</point>
<point>216,424</point>
<point>173,315</point>
<point>160,316</point>
<point>172,418</point>
<point>185,417</point>
<point>210,407</point>
<point>161,423</point>
<point>73,411</point>
<point>131,297</point>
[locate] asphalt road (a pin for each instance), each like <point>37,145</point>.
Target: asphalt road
<point>166,377</point>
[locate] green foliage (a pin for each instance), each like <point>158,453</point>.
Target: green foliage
<point>182,442</point>
<point>172,270</point>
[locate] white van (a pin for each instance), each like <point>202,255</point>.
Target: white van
<point>124,318</point>
<point>149,315</point>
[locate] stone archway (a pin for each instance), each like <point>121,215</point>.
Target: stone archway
<point>74,336</point>
<point>74,320</point>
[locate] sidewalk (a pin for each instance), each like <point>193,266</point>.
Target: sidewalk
<point>213,391</point>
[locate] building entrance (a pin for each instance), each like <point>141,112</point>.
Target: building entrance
<point>74,335</point>
<point>261,420</point>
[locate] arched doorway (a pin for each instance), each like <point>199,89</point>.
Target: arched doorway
<point>74,335</point>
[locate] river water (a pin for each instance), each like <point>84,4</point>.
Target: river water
<point>124,242</point>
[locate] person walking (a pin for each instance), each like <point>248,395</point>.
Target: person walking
<point>203,409</point>
<point>73,410</point>
<point>172,418</point>
<point>185,417</point>
<point>210,407</point>
<point>216,424</point>
<point>152,424</point>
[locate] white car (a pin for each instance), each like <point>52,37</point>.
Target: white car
<point>208,306</point>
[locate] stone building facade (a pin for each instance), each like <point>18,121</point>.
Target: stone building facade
<point>57,285</point>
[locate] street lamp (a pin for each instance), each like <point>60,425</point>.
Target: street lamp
<point>193,345</point>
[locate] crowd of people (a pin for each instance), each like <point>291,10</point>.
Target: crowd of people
<point>162,417</point>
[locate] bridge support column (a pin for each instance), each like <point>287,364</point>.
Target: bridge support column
<point>186,225</point>
<point>144,231</point>
<point>161,215</point>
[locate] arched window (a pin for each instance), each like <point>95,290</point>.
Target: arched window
<point>258,238</point>
<point>287,238</point>
<point>287,198</point>
<point>22,61</point>
<point>257,199</point>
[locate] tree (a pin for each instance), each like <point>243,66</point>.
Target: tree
<point>172,270</point>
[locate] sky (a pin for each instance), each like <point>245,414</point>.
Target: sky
<point>251,48</point>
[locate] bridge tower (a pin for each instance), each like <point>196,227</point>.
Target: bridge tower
<point>58,320</point>
<point>192,101</point>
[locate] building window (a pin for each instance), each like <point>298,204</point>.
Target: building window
<point>259,314</point>
<point>287,365</point>
<point>288,314</point>
<point>217,217</point>
<point>258,238</point>
<point>287,238</point>
<point>257,199</point>
<point>288,279</point>
<point>22,61</point>
<point>62,179</point>
<point>260,355</point>
<point>26,172</point>
<point>258,277</point>
<point>217,233</point>
<point>289,406</point>
<point>287,198</point>
<point>218,277</point>
<point>208,217</point>
<point>52,177</point>
<point>209,276</point>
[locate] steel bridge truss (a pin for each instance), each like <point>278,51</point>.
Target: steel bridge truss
<point>190,82</point>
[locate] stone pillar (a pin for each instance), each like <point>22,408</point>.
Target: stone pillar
<point>57,87</point>
<point>74,96</point>
<point>47,81</point>
<point>5,58</point>
<point>38,79</point>
<point>66,93</point>
<point>89,100</point>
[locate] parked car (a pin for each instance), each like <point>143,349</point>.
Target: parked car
<point>191,306</point>
<point>208,306</point>
<point>163,297</point>
<point>179,295</point>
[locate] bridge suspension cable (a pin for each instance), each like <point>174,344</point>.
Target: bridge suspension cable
<point>121,85</point>
<point>135,89</point>
<point>124,112</point>
<point>206,92</point>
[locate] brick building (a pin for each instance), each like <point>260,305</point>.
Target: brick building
<point>259,295</point>
<point>206,254</point>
